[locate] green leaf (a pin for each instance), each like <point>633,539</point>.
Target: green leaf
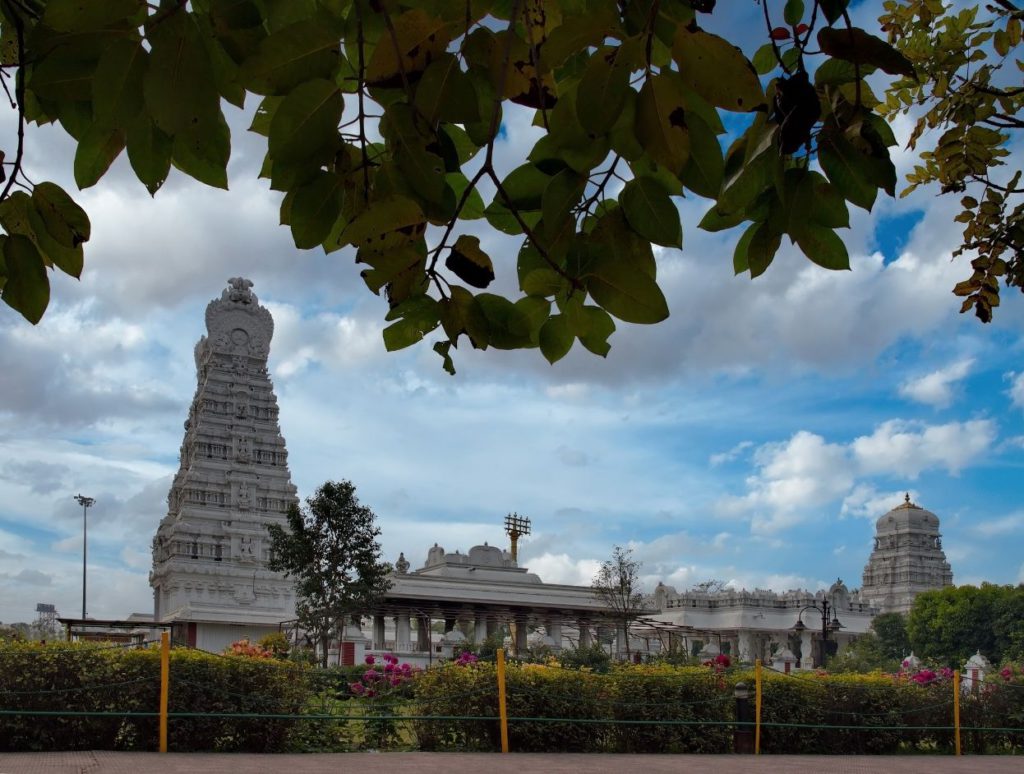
<point>507,326</point>
<point>203,152</point>
<point>402,334</point>
<point>149,152</point>
<point>703,172</point>
<point>793,12</point>
<point>847,169</point>
<point>598,326</point>
<point>543,282</point>
<point>178,83</point>
<point>471,264</point>
<point>78,16</point>
<point>117,88</point>
<point>651,213</point>
<point>418,39</point>
<point>661,121</point>
<point>315,208</point>
<point>525,186</point>
<point>855,45</point>
<point>833,9</point>
<point>96,152</point>
<point>385,224</point>
<point>63,219</point>
<point>562,193</point>
<point>822,246</point>
<point>764,60</point>
<point>26,288</point>
<point>446,93</point>
<point>718,71</point>
<point>624,291</point>
<point>761,249</point>
<point>536,311</point>
<point>714,220</point>
<point>290,56</point>
<point>305,125</point>
<point>461,313</point>
<point>740,258</point>
<point>602,90</point>
<point>59,77</point>
<point>473,209</point>
<point>555,338</point>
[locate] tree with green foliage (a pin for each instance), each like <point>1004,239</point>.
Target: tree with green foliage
<point>948,626</point>
<point>965,93</point>
<point>882,648</point>
<point>330,548</point>
<point>617,584</point>
<point>382,121</point>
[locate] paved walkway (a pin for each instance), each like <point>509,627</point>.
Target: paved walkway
<point>445,763</point>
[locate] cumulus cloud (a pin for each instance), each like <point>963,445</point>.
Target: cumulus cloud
<point>728,456</point>
<point>561,568</point>
<point>1016,391</point>
<point>795,477</point>
<point>937,388</point>
<point>905,448</point>
<point>1011,524</point>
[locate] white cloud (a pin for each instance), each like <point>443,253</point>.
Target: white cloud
<point>866,502</point>
<point>936,388</point>
<point>728,456</point>
<point>561,568</point>
<point>905,448</point>
<point>1016,390</point>
<point>1011,524</point>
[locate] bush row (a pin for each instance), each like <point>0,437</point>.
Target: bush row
<point>643,708</point>
<point>63,678</point>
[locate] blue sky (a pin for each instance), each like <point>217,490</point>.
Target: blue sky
<point>754,437</point>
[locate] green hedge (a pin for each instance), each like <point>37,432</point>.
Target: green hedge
<point>87,678</point>
<point>559,710</point>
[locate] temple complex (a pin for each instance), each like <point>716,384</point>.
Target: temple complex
<point>210,552</point>
<point>907,559</point>
<point>211,581</point>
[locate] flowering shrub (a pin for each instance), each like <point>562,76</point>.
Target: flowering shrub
<point>245,648</point>
<point>382,686</point>
<point>466,658</point>
<point>719,663</point>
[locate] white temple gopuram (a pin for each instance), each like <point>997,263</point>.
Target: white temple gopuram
<point>907,559</point>
<point>210,553</point>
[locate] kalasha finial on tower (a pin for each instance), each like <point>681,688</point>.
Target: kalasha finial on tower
<point>515,527</point>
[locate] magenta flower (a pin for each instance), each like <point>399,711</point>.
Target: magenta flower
<point>946,673</point>
<point>371,675</point>
<point>371,660</point>
<point>357,689</point>
<point>1006,673</point>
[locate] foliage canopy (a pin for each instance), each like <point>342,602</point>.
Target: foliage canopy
<point>382,119</point>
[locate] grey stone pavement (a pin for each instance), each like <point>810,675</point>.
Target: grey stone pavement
<point>100,762</point>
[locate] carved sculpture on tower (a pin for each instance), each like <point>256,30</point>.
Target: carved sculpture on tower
<point>211,550</point>
<point>907,559</point>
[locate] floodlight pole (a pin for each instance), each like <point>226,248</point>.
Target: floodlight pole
<point>86,503</point>
<point>516,526</point>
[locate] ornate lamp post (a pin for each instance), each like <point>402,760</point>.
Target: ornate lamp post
<point>516,526</point>
<point>86,503</point>
<point>827,626</point>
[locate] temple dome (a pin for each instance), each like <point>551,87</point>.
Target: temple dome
<point>906,516</point>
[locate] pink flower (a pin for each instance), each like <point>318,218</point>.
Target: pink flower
<point>406,668</point>
<point>946,673</point>
<point>371,693</point>
<point>389,667</point>
<point>390,658</point>
<point>371,675</point>
<point>357,689</point>
<point>395,682</point>
<point>1006,673</point>
<point>371,660</point>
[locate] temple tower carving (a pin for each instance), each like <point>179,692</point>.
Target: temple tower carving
<point>211,550</point>
<point>907,559</point>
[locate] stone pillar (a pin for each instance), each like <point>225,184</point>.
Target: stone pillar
<point>555,633</point>
<point>745,647</point>
<point>521,644</point>
<point>585,639</point>
<point>807,650</point>
<point>403,633</point>
<point>423,633</point>
<point>481,627</point>
<point>621,633</point>
<point>493,627</point>
<point>378,632</point>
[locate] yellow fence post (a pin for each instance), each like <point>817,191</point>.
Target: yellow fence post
<point>956,710</point>
<point>502,710</point>
<point>165,673</point>
<point>757,707</point>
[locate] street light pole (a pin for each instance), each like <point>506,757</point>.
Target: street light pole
<point>827,626</point>
<point>86,503</point>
